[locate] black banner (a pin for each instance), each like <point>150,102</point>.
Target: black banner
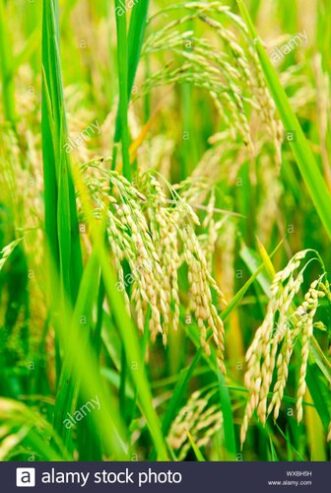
<point>181,477</point>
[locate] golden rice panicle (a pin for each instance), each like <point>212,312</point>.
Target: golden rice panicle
<point>163,226</point>
<point>305,315</point>
<point>235,81</point>
<point>198,418</point>
<point>283,362</point>
<point>201,303</point>
<point>261,355</point>
<point>130,240</point>
<point>195,256</point>
<point>156,236</point>
<point>270,353</point>
<point>185,421</point>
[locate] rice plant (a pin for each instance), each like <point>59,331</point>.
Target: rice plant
<point>165,230</point>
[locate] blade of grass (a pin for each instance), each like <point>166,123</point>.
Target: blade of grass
<point>84,369</point>
<point>266,260</point>
<point>179,392</point>
<point>122,61</point>
<point>136,35</point>
<point>61,223</point>
<point>197,452</point>
<point>319,394</point>
<point>252,262</point>
<point>135,40</point>
<point>228,420</point>
<point>59,195</point>
<point>315,433</point>
<point>6,68</point>
<point>82,317</point>
<point>241,293</point>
